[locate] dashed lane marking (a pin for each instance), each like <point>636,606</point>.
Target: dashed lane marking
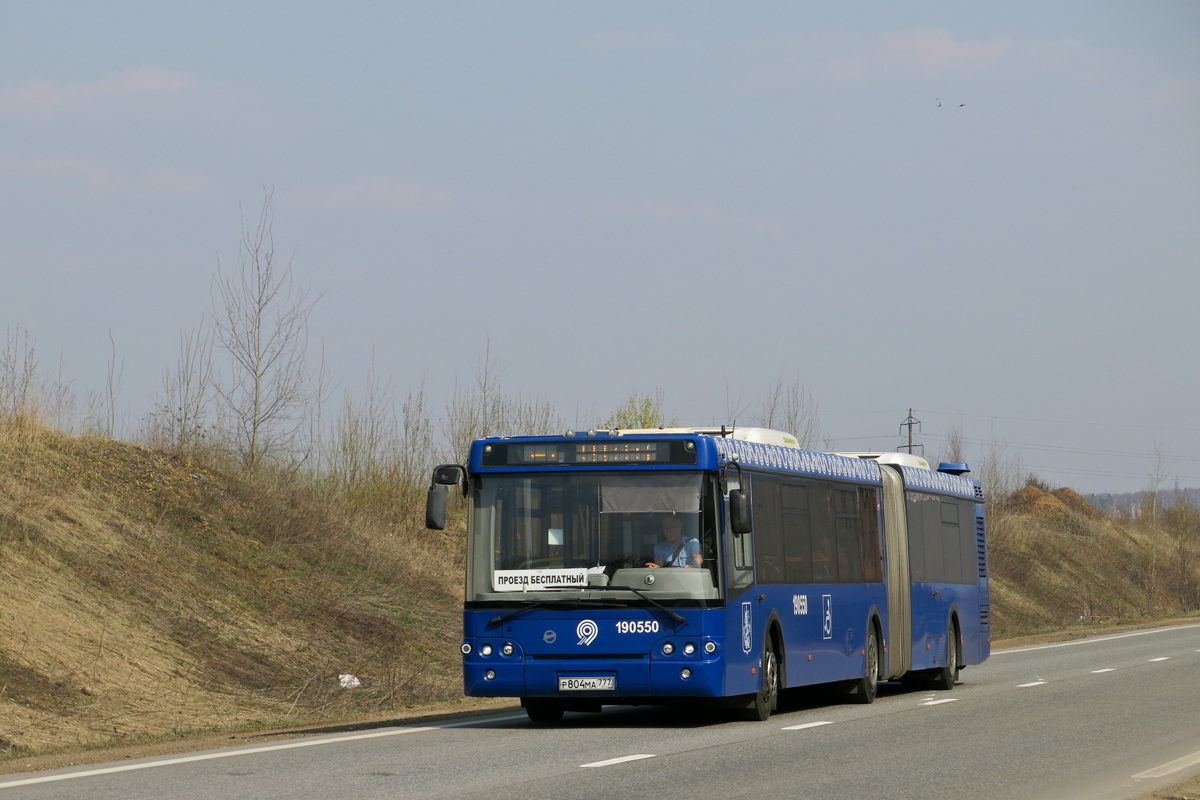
<point>1032,683</point>
<point>806,725</point>
<point>620,760</point>
<point>1169,767</point>
<point>1161,658</point>
<point>1106,669</point>
<point>939,702</point>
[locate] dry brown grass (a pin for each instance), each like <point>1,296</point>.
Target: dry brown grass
<point>1056,562</point>
<point>141,595</point>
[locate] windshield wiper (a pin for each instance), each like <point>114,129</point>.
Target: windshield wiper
<point>677,617</point>
<point>575,601</point>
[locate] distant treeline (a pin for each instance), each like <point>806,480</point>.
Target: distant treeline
<point>1131,505</point>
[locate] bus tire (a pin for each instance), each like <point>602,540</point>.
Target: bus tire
<point>541,710</point>
<point>764,701</point>
<point>866,687</point>
<point>945,678</point>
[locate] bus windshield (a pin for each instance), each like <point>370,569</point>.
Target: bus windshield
<point>571,532</point>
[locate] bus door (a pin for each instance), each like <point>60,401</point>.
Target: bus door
<point>899,616</point>
<point>743,623</point>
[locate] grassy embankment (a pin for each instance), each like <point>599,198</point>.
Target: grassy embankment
<point>142,595</point>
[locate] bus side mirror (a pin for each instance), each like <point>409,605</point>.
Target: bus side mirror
<point>444,476</point>
<point>739,511</point>
<point>450,475</point>
<point>435,507</point>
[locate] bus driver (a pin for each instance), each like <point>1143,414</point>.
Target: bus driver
<point>674,550</point>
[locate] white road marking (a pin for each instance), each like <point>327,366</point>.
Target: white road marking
<point>1074,642</point>
<point>620,760</point>
<point>1161,658</point>
<point>1169,767</point>
<point>245,751</point>
<point>939,702</point>
<point>208,756</point>
<point>1034,683</point>
<point>1106,669</point>
<point>805,725</point>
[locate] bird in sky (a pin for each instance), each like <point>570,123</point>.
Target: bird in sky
<point>939,101</point>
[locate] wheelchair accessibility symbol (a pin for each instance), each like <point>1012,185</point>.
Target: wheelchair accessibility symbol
<point>827,616</point>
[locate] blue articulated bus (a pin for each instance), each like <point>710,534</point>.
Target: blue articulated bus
<point>717,565</point>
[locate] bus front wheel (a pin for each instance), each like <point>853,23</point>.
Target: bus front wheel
<point>540,710</point>
<point>763,702</point>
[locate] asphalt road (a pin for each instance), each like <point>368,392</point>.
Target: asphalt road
<point>1104,718</point>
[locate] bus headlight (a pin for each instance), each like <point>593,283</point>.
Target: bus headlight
<point>710,647</point>
<point>486,649</point>
<point>466,648</point>
<point>668,648</point>
<point>685,673</point>
<point>490,675</point>
<point>507,649</point>
<point>689,648</point>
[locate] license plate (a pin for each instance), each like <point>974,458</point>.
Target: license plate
<point>587,684</point>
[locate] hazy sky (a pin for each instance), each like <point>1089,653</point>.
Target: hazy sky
<point>622,196</point>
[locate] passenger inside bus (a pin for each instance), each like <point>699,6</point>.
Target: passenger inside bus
<point>674,550</point>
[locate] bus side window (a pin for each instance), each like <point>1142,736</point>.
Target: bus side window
<point>868,509</point>
<point>824,542</point>
<point>951,558</point>
<point>849,535</point>
<point>797,545</point>
<point>768,530</point>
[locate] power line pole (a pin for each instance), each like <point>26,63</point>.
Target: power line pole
<point>909,423</point>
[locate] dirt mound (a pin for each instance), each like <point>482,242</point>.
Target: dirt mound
<point>1072,500</point>
<point>1032,500</point>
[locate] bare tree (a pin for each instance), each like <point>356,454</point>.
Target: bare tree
<point>789,405</point>
<point>471,412</point>
<point>956,444</point>
<point>1157,473</point>
<point>260,319</point>
<point>735,407</point>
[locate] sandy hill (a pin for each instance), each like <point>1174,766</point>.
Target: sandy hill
<point>140,594</point>
<point>1057,561</point>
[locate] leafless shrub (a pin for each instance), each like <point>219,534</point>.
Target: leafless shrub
<point>483,409</point>
<point>18,373</point>
<point>1000,473</point>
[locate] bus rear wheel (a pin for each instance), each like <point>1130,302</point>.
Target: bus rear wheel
<point>765,700</point>
<point>866,687</point>
<point>541,710</point>
<point>945,678</point>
